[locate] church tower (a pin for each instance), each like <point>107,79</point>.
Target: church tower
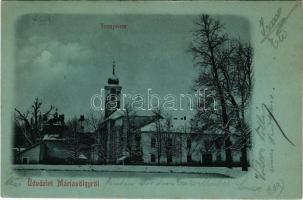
<point>112,94</point>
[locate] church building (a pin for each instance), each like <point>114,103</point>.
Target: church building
<point>118,136</point>
<point>128,136</point>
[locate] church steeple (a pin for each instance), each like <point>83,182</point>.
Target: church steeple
<point>114,79</point>
<point>112,93</point>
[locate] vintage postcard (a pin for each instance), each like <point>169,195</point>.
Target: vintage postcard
<point>151,99</point>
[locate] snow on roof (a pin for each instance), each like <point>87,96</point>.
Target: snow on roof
<point>140,118</point>
<point>178,125</point>
<point>122,158</point>
<point>29,148</point>
<point>21,149</point>
<point>138,113</point>
<point>82,156</point>
<point>52,137</point>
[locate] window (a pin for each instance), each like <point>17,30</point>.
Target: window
<point>153,143</point>
<point>138,136</point>
<point>219,157</point>
<point>152,158</point>
<point>113,90</point>
<point>169,158</point>
<point>113,97</point>
<point>170,142</point>
<point>188,143</point>
<point>25,160</point>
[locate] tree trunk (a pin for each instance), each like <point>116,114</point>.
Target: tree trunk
<point>223,107</point>
<point>244,161</point>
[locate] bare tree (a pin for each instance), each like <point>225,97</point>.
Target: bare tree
<point>158,127</point>
<point>74,128</point>
<point>129,114</point>
<point>169,139</point>
<point>242,60</point>
<point>208,43</point>
<point>133,149</point>
<point>225,67</point>
<point>167,142</point>
<point>187,137</point>
<point>21,137</point>
<point>93,120</point>
<point>31,120</point>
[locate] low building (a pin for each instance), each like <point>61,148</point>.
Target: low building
<point>181,146</point>
<point>54,148</point>
<point>51,151</point>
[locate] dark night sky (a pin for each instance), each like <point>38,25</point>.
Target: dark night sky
<point>65,59</point>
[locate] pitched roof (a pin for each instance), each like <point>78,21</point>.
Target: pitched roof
<point>139,118</point>
<point>29,148</point>
<point>120,113</point>
<point>177,126</point>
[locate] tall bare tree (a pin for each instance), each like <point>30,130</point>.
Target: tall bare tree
<point>129,114</point>
<point>74,129</point>
<point>167,142</point>
<point>158,127</point>
<point>225,67</point>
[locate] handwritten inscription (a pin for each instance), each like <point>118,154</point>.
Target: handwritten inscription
<point>275,188</point>
<point>274,31</point>
<point>13,180</point>
<point>278,125</point>
<point>267,129</point>
<point>259,165</point>
<point>126,182</point>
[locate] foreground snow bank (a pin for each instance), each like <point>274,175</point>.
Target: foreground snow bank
<point>234,172</point>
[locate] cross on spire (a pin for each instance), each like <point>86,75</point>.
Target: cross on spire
<point>114,79</point>
<point>114,67</point>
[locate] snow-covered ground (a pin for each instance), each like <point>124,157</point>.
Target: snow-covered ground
<point>234,172</point>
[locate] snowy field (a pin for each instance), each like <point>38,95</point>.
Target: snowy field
<point>120,170</point>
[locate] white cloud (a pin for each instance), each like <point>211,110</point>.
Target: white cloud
<point>44,59</point>
<point>39,54</point>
